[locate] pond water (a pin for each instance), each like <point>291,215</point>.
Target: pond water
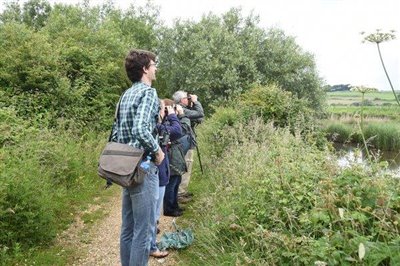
<point>349,154</point>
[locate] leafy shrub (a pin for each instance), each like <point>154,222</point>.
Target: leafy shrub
<point>223,118</point>
<point>13,128</point>
<point>274,104</point>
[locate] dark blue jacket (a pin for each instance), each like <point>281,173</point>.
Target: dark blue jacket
<point>171,125</point>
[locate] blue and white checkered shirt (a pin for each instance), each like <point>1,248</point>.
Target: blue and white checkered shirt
<point>138,116</point>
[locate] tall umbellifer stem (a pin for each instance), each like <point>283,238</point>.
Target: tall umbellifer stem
<point>363,90</point>
<point>377,38</point>
<point>387,75</point>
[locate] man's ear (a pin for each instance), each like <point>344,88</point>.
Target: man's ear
<point>145,70</point>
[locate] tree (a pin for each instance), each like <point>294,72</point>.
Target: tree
<point>284,62</point>
<point>35,13</point>
<point>220,57</point>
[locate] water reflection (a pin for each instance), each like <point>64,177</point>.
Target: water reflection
<point>349,154</point>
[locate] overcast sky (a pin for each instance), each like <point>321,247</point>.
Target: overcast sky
<point>329,29</point>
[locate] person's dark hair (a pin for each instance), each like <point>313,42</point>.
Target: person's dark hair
<point>135,61</point>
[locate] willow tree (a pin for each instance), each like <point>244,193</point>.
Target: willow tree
<point>221,57</point>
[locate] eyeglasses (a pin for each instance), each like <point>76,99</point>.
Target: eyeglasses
<point>154,63</point>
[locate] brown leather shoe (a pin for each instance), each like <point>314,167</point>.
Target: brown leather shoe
<point>158,254</point>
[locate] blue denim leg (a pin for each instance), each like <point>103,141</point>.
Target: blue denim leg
<point>161,191</point>
<point>138,219</point>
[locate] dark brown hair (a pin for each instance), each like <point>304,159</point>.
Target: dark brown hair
<point>135,61</point>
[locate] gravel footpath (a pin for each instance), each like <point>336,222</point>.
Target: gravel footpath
<point>98,243</point>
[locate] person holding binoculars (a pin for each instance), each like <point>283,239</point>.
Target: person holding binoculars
<point>193,110</point>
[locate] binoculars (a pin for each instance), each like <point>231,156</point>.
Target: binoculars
<point>166,110</point>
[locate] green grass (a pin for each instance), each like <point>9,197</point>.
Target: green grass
<point>381,118</point>
<point>46,178</point>
<point>382,136</point>
<point>61,255</point>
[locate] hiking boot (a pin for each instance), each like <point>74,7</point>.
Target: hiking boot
<point>186,194</point>
<point>184,199</point>
<point>175,213</point>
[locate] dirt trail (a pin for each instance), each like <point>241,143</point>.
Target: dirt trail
<point>98,243</point>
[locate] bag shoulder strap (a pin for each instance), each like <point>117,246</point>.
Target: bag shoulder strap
<point>116,113</point>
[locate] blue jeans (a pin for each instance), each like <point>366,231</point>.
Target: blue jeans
<point>171,194</point>
<point>161,191</point>
<point>138,219</point>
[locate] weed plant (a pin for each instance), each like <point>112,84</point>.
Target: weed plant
<point>270,198</point>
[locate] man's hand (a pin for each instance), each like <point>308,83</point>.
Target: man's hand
<point>179,109</point>
<point>170,109</point>
<point>193,98</point>
<point>159,156</point>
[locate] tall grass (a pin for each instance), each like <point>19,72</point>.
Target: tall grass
<point>269,198</point>
<point>382,136</point>
<point>45,178</point>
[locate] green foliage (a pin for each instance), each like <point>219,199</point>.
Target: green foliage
<point>273,199</point>
<point>380,119</point>
<point>44,178</point>
<point>339,132</point>
<point>62,71</point>
<point>67,70</point>
<point>216,133</point>
<point>221,57</point>
<point>11,13</point>
<point>273,104</point>
<point>13,128</point>
<point>282,61</point>
<point>35,13</point>
<point>384,136</point>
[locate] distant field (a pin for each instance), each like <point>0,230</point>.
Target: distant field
<point>390,112</point>
<point>349,97</point>
<point>383,104</point>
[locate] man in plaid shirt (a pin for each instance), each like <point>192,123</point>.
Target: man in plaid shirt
<point>139,109</point>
